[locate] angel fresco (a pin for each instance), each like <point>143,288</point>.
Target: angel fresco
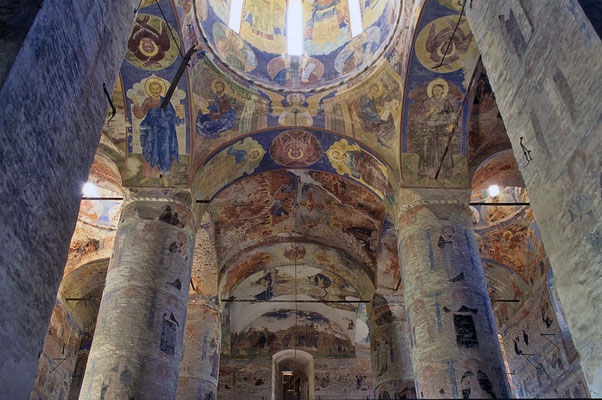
<point>433,40</point>
<point>157,131</point>
<point>296,114</point>
<point>221,117</point>
<point>149,46</point>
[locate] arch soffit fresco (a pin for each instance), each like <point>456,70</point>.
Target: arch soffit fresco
<point>284,254</point>
<point>298,205</point>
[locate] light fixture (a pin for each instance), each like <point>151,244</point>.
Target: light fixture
<point>493,190</point>
<point>90,190</point>
<point>355,17</point>
<point>235,17</point>
<point>294,28</point>
<point>287,373</point>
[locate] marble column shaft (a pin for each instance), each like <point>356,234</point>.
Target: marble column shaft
<point>137,344</point>
<point>199,371</point>
<point>392,373</point>
<point>453,337</point>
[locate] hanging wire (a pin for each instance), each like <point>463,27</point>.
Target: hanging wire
<point>169,28</point>
<point>452,36</point>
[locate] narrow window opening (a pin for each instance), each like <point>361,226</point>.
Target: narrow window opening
<point>294,28</point>
<point>235,15</point>
<point>355,17</point>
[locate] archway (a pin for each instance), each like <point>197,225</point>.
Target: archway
<point>293,375</point>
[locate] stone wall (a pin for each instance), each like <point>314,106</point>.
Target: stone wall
<point>543,61</point>
<point>53,108</point>
<point>16,18</point>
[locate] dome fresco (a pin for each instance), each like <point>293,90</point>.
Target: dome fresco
<point>331,55</point>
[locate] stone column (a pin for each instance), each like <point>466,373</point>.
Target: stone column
<point>52,109</point>
<point>137,344</point>
<point>392,373</point>
<point>199,370</point>
<point>453,338</point>
<point>543,62</point>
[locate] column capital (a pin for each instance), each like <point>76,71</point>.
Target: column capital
<point>412,198</point>
<point>411,201</point>
<point>182,197</point>
<point>202,300</point>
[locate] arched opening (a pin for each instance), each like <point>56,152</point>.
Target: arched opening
<point>293,375</point>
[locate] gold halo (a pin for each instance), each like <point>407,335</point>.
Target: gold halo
<point>379,85</point>
<point>152,80</point>
<point>215,81</point>
<point>254,155</point>
<point>438,81</point>
<point>336,155</point>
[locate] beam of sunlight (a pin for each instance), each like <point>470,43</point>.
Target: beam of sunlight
<point>294,28</point>
<point>355,15</point>
<point>235,15</point>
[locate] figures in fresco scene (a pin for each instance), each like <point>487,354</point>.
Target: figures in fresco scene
<point>296,114</point>
<point>147,44</point>
<point>325,22</point>
<point>157,131</point>
<point>352,160</point>
<point>435,117</point>
<point>376,115</point>
<point>358,51</point>
<point>221,116</point>
<point>232,49</point>
<point>287,72</point>
<point>264,17</point>
<point>188,23</point>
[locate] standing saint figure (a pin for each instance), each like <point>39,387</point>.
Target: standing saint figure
<point>435,121</point>
<point>221,116</point>
<point>157,131</point>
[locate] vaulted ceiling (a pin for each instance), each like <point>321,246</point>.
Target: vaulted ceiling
<point>300,157</point>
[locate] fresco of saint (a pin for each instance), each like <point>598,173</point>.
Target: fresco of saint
<point>327,19</point>
<point>376,116</point>
<point>157,131</point>
<point>436,119</point>
<point>221,116</point>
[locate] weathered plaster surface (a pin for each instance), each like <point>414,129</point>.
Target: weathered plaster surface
<point>546,79</point>
<point>52,112</point>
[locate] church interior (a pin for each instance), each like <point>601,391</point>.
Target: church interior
<point>300,199</point>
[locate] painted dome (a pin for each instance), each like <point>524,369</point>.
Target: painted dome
<point>331,54</point>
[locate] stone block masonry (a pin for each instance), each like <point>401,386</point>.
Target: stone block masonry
<point>543,58</point>
<point>52,109</point>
